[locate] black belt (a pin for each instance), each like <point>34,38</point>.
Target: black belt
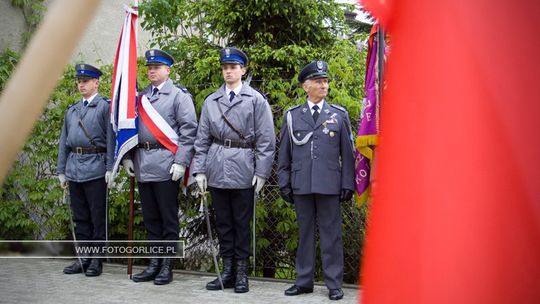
<point>149,146</point>
<point>88,150</point>
<point>227,143</point>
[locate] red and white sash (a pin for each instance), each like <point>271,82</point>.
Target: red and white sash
<point>162,131</point>
<point>157,125</point>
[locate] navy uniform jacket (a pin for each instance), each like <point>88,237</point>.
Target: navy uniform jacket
<point>96,120</point>
<point>324,164</point>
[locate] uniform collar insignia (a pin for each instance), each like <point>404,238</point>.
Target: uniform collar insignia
<point>304,110</point>
<point>326,111</point>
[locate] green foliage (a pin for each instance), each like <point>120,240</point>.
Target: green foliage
<point>33,11</point>
<point>8,60</point>
<point>280,37</point>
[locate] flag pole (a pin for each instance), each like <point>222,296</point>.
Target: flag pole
<point>130,224</point>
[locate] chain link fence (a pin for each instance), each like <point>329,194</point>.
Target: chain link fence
<point>276,238</point>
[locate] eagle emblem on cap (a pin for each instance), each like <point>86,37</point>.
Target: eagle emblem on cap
<point>82,67</point>
<point>227,51</point>
<point>320,65</point>
<point>152,52</point>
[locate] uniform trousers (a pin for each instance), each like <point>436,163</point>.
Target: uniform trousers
<point>88,200</point>
<point>326,211</point>
<point>234,210</point>
<point>160,209</point>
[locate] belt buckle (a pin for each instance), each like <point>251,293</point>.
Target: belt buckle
<point>227,143</point>
<point>146,145</point>
<point>79,150</point>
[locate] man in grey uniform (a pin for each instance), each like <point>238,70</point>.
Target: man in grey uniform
<point>85,160</point>
<point>167,129</point>
<point>233,156</point>
<point>315,172</point>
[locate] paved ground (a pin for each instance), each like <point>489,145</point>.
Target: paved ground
<point>42,281</point>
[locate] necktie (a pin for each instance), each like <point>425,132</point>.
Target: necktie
<point>315,112</point>
<point>231,95</point>
<point>154,91</point>
<point>85,103</point>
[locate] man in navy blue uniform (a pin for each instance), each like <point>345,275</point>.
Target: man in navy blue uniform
<point>85,160</point>
<point>316,173</point>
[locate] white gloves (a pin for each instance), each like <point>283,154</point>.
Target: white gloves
<point>258,182</point>
<point>109,179</point>
<point>63,181</point>
<point>201,181</point>
<point>177,171</point>
<point>128,165</point>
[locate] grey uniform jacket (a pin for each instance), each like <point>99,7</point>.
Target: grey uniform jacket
<point>233,168</point>
<point>325,163</point>
<point>176,107</point>
<point>96,120</point>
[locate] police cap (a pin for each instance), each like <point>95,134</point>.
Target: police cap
<point>313,70</point>
<point>158,57</point>
<point>84,70</point>
<point>233,55</point>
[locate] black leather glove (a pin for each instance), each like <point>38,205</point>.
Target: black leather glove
<point>345,195</point>
<point>286,194</point>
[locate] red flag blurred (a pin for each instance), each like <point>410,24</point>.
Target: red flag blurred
<point>455,215</point>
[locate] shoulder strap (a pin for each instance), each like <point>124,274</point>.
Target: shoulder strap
<point>92,141</point>
<point>229,123</point>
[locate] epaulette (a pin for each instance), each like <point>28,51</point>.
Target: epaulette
<point>184,89</point>
<point>293,107</point>
<point>260,92</point>
<point>339,107</point>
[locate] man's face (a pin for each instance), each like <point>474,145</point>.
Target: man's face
<point>87,86</point>
<point>158,73</point>
<point>316,89</point>
<point>232,73</point>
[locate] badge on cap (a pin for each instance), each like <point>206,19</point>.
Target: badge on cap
<point>82,67</point>
<point>320,65</point>
<point>227,51</point>
<point>152,52</point>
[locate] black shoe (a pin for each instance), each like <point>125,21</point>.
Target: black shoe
<point>297,290</point>
<point>95,268</point>
<point>149,273</point>
<point>242,283</point>
<point>165,275</point>
<point>76,266</point>
<point>228,276</point>
<point>335,294</point>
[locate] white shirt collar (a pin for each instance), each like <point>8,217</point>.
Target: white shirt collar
<point>159,86</point>
<point>91,98</point>
<point>235,90</point>
<point>311,104</point>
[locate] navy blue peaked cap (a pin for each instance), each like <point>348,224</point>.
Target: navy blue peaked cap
<point>88,71</point>
<point>233,55</point>
<point>156,56</point>
<point>313,70</point>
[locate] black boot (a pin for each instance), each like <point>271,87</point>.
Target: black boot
<point>149,273</point>
<point>242,284</point>
<point>95,268</point>
<point>76,266</point>
<point>228,276</point>
<point>165,274</point>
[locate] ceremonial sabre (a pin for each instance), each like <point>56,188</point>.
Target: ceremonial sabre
<point>204,207</point>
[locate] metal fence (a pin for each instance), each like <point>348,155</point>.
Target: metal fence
<point>277,236</point>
